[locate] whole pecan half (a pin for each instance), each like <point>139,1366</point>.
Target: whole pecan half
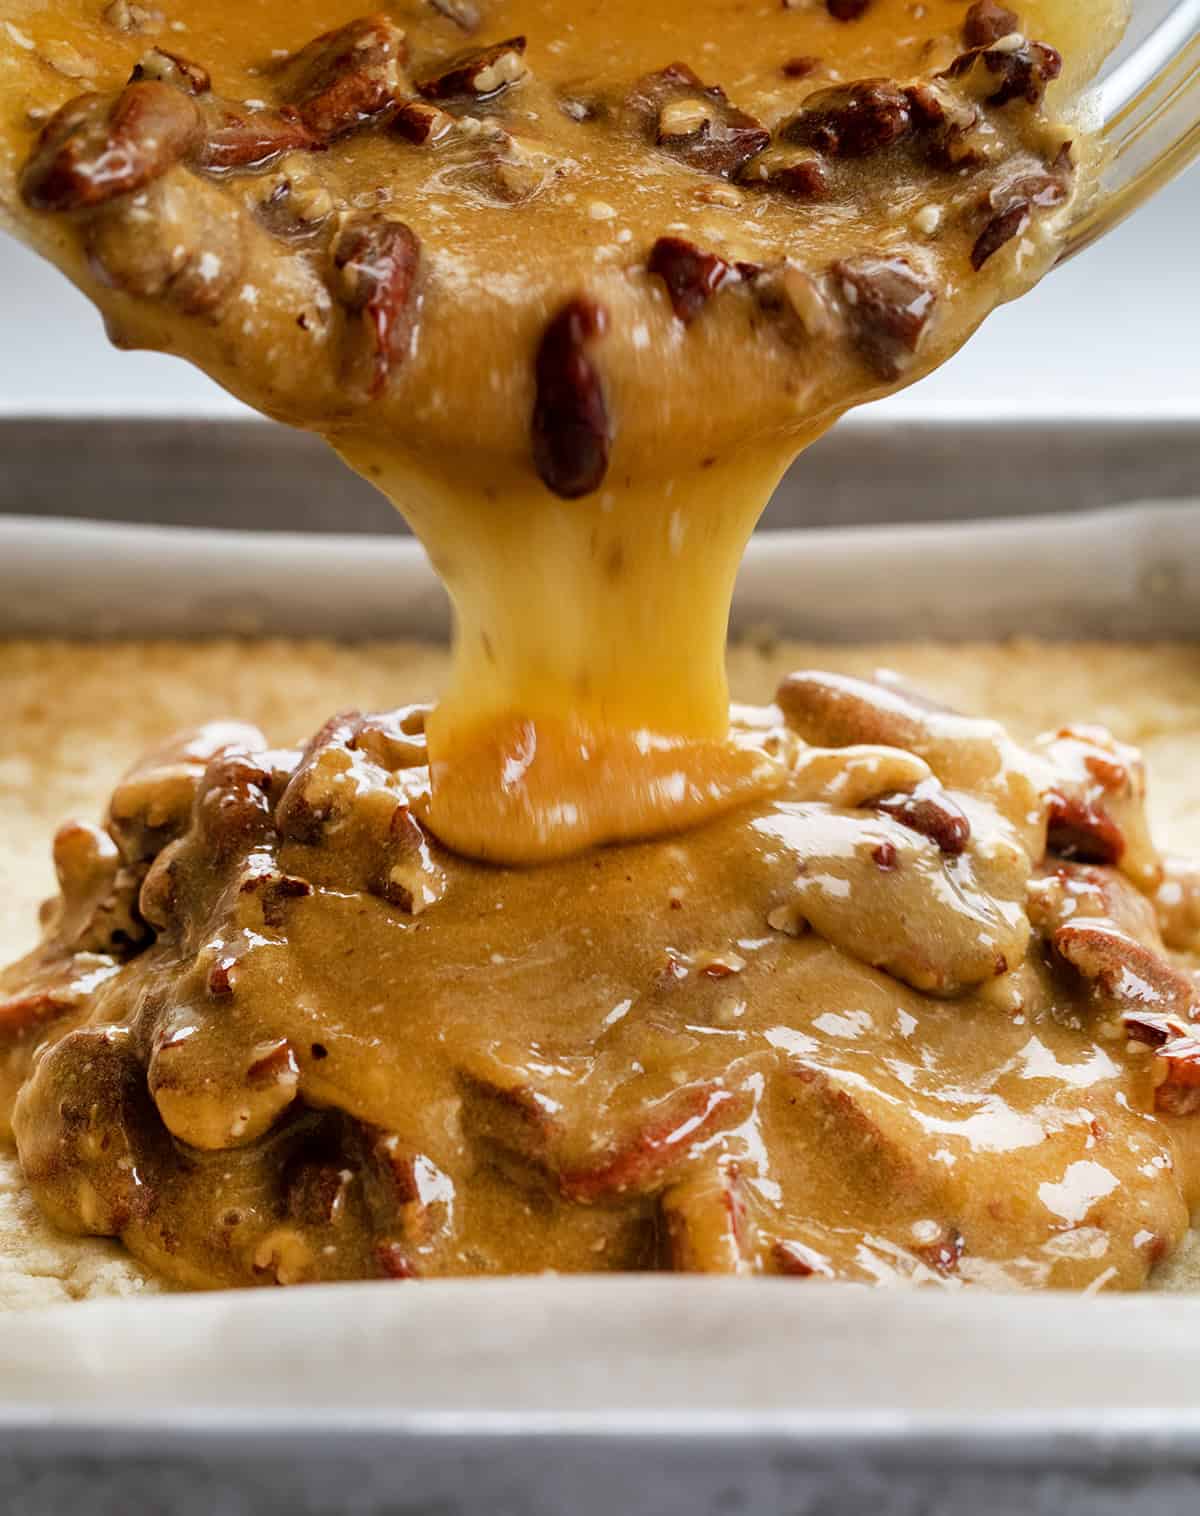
<point>572,433</point>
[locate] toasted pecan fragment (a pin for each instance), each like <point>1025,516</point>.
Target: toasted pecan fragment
<point>999,231</point>
<point>888,306</point>
<point>421,123</point>
<point>852,120</point>
<point>696,123</point>
<point>833,710</point>
<point>464,13</point>
<point>236,138</point>
<point>1081,829</point>
<point>671,1127</point>
<point>799,174</point>
<point>1130,979</point>
<point>998,76</point>
<point>691,275</point>
<point>1177,1076</point>
<point>136,20</point>
<point>931,812</point>
<point>100,146</point>
<point>987,21</point>
<point>170,68</point>
<point>572,433</point>
<point>377,268</point>
<point>178,241</point>
<point>706,1222</point>
<point>349,78</point>
<point>478,75</point>
<point>847,10</point>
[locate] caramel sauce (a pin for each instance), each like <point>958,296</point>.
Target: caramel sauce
<point>886,996</point>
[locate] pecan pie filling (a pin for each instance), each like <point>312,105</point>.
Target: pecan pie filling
<point>856,987</point>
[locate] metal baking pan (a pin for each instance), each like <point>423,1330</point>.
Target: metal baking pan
<point>652,1396</point>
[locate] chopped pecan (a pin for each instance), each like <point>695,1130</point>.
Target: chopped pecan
<point>479,75</point>
<point>137,20</point>
<point>377,265</point>
<point>349,78</point>
<point>691,275</point>
<point>317,1190</point>
<point>170,68</point>
<point>180,243</point>
<point>799,67</point>
<point>464,13</point>
<point>233,804</point>
<point>1177,1075</point>
<point>33,1008</point>
<point>99,147</point>
<point>847,10</point>
<point>1131,980</point>
<point>696,123</point>
<point>671,1128</point>
<point>999,231</point>
<point>706,1222</point>
<point>1000,75</point>
<point>986,22</point>
<point>796,301</point>
<point>888,306</point>
<point>930,811</point>
<point>1081,829</point>
<point>572,432</point>
<point>944,1253</point>
<point>421,123</point>
<point>852,120</point>
<point>798,1260</point>
<point>236,137</point>
<point>799,174</point>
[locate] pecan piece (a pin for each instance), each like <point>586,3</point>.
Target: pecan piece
<point>691,275</point>
<point>852,120</point>
<point>930,811</point>
<point>999,231</point>
<point>238,138</point>
<point>696,123</point>
<point>477,75</point>
<point>1000,75</point>
<point>348,78</point>
<point>377,265</point>
<point>799,174</point>
<point>847,10</point>
<point>672,1126</point>
<point>422,124</point>
<point>986,22</point>
<point>464,13</point>
<point>1177,1075</point>
<point>706,1223</point>
<point>1130,979</point>
<point>572,434</point>
<point>170,68</point>
<point>888,306</point>
<point>98,147</point>
<point>1081,829</point>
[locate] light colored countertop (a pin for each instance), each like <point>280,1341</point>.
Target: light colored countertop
<point>1113,334</point>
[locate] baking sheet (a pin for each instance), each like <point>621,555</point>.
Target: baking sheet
<point>653,1395</point>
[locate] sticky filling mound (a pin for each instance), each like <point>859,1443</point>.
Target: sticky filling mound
<point>914,1016</point>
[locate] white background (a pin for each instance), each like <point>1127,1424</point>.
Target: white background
<point>1114,333</point>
